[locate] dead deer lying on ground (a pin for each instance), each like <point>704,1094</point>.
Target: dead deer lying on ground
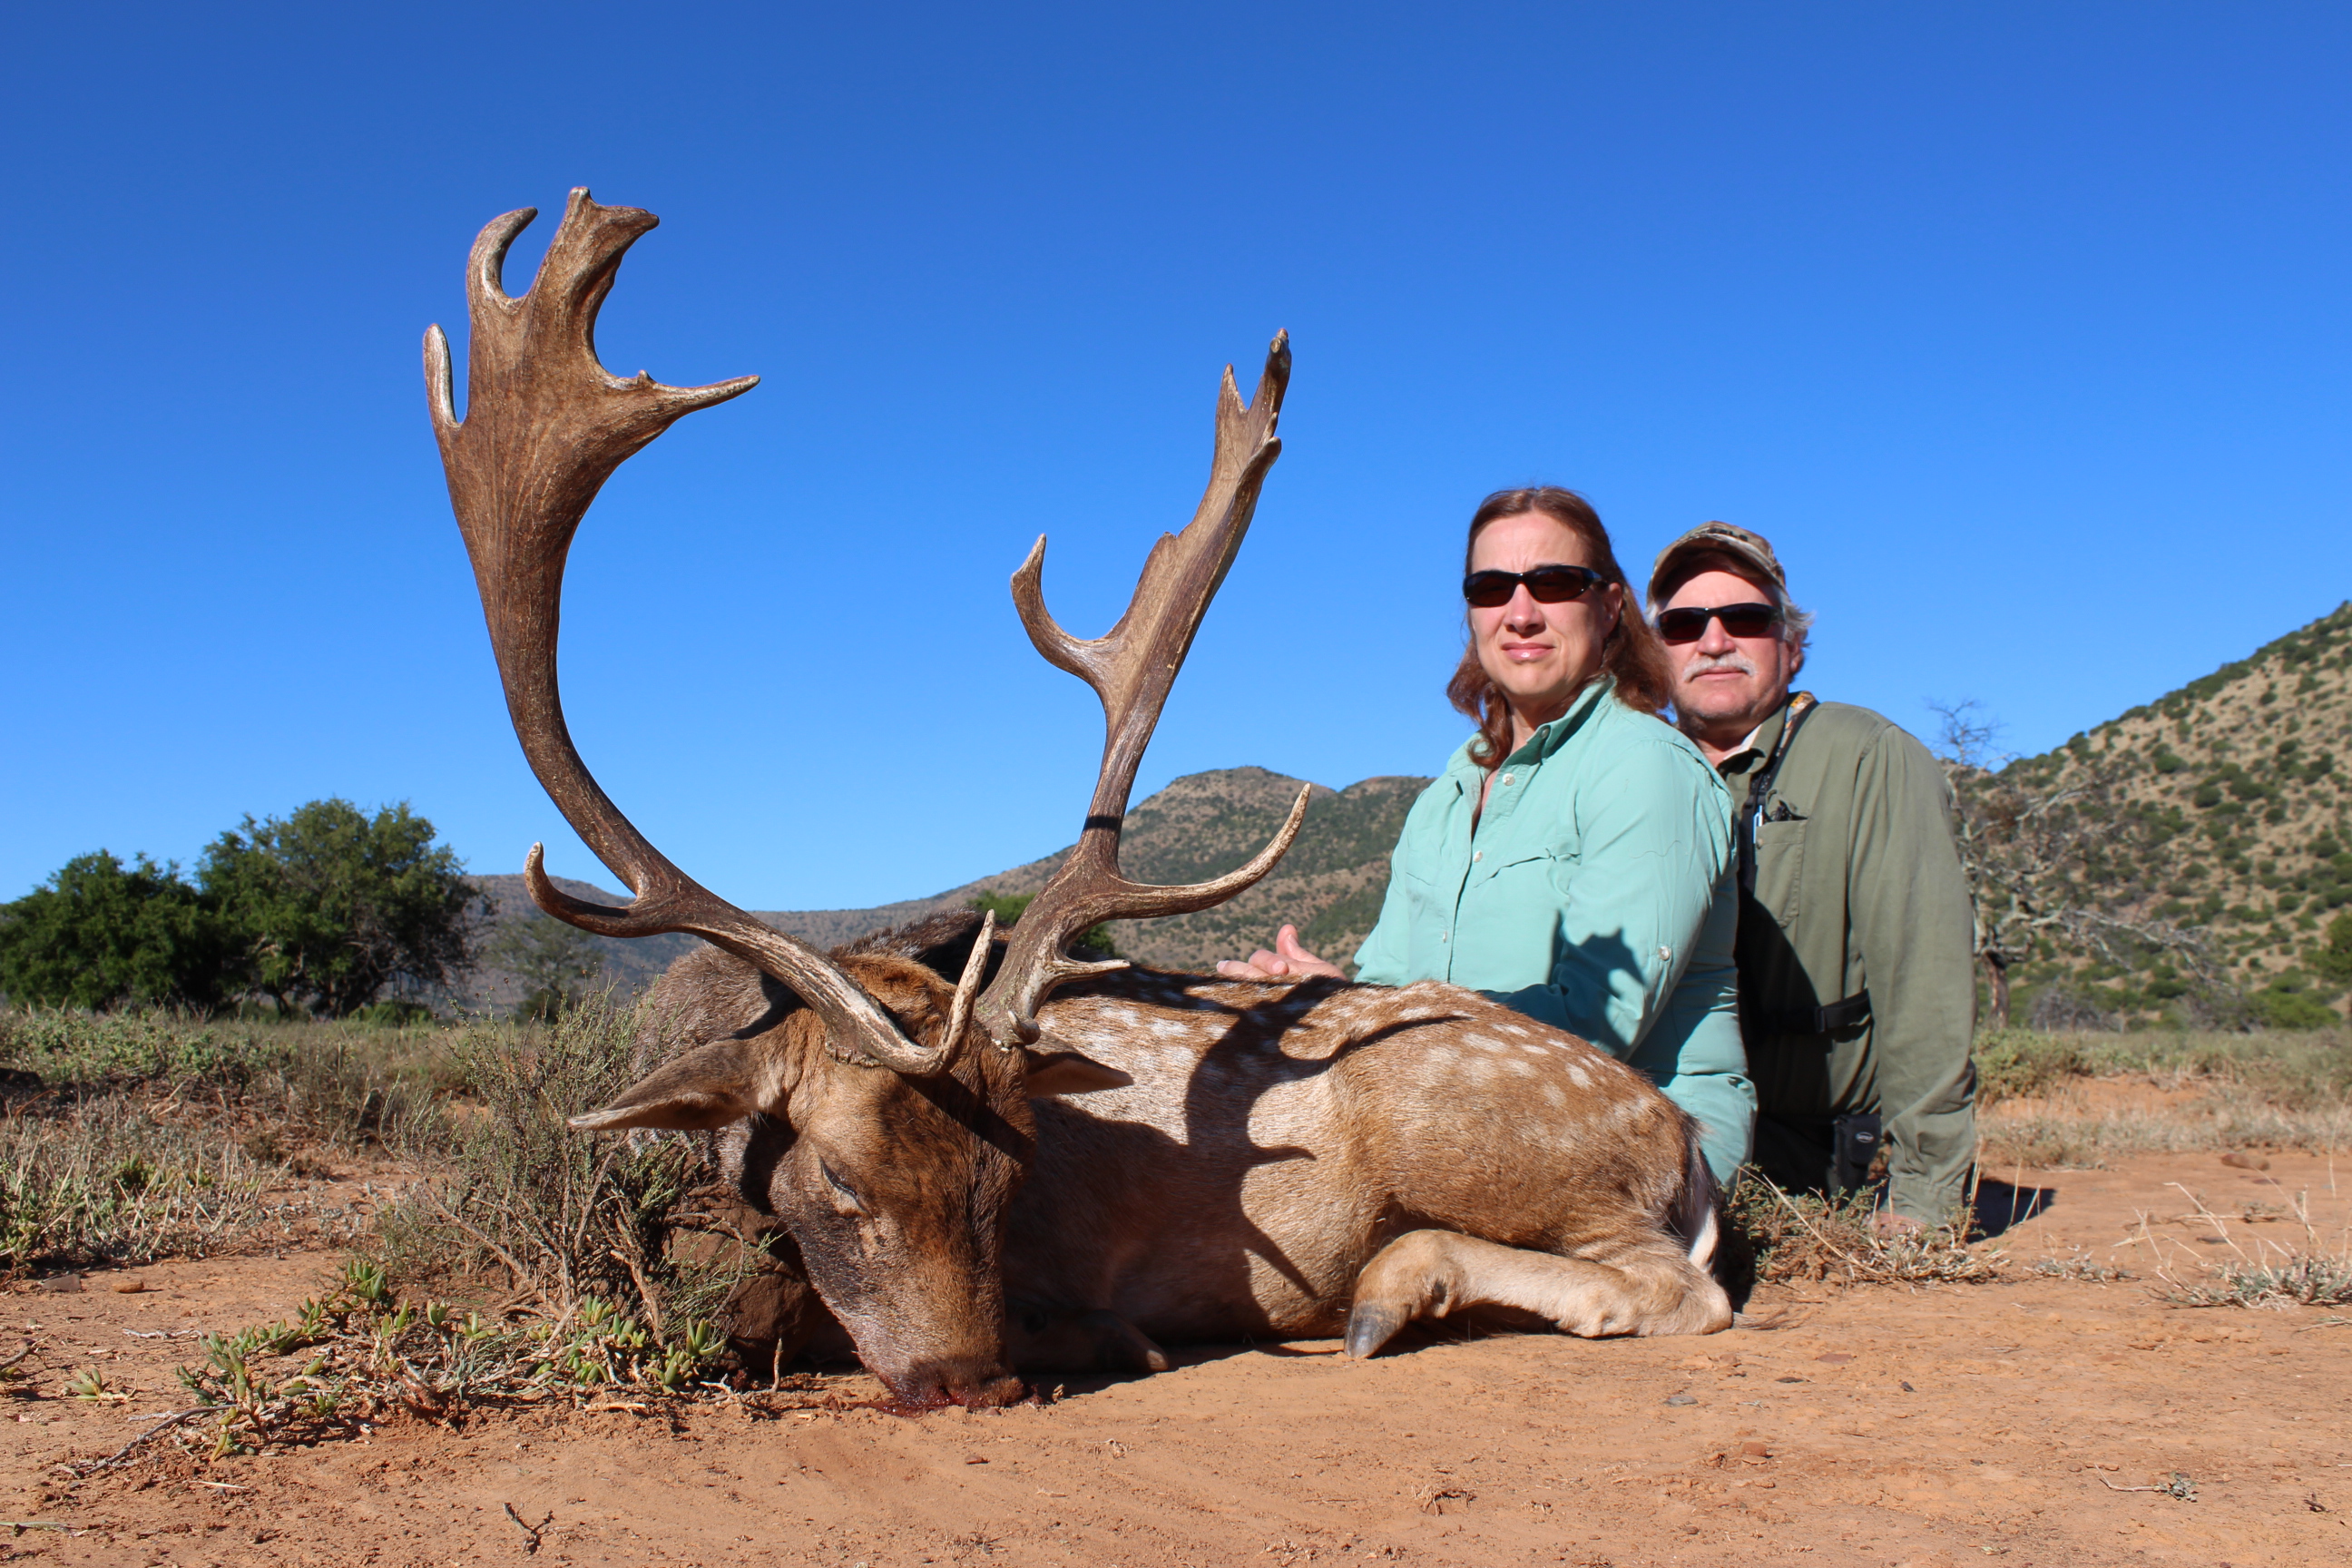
<point>1246,1158</point>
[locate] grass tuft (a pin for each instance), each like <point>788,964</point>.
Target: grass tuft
<point>360,1354</point>
<point>2301,1280</point>
<point>2272,1274</point>
<point>567,1215</point>
<point>1802,1237</point>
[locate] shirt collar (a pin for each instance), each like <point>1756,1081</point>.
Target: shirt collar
<point>1551,736</point>
<point>1756,745</point>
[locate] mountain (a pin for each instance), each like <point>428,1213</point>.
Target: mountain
<point>2219,815</point>
<point>2231,801</point>
<point>1329,885</point>
<point>632,964</point>
<point>1202,825</point>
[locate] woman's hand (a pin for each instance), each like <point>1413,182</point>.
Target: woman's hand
<point>1289,960</point>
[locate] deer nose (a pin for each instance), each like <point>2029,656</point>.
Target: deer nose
<point>989,1393</point>
<point>975,1386</point>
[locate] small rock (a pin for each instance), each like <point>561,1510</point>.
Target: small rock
<point>1680,1399</point>
<point>1756,1450</point>
<point>2245,1161</point>
<point>1835,1358</point>
<point>59,1283</point>
<point>130,1285</point>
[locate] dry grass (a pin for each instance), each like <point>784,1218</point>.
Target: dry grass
<point>137,1136</point>
<point>105,1182</point>
<point>1799,1237</point>
<point>2074,1101</point>
<point>564,1216</point>
<point>348,1359</point>
<point>2079,1264</point>
<point>2317,1273</point>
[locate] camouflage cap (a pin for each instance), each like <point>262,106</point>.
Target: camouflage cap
<point>1736,543</point>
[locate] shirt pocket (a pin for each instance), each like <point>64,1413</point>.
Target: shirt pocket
<point>1781,868</point>
<point>1427,914</point>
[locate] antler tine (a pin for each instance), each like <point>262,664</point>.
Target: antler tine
<point>545,426</point>
<point>1131,668</point>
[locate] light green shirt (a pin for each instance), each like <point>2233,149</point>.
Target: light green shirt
<point>1596,895</point>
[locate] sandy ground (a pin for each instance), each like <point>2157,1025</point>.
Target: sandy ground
<point>1867,1425</point>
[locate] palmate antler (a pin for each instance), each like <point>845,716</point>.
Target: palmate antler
<point>1131,668</point>
<point>545,426</point>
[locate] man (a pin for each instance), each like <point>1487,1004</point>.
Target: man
<point>1857,991</point>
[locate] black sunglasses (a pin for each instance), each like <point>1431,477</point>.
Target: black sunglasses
<point>1689,624</point>
<point>1546,586</point>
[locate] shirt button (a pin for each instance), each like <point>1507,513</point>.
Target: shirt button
<point>1505,780</point>
<point>1478,854</point>
<point>1441,936</point>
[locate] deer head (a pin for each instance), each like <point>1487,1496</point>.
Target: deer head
<point>906,1098</point>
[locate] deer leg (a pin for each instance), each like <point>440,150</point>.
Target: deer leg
<point>1429,1273</point>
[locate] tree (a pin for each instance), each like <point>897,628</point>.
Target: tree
<point>98,933</point>
<point>329,906</point>
<point>554,961</point>
<point>1093,944</point>
<point>2033,850</point>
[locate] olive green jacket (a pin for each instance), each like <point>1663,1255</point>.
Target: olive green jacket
<point>1859,887</point>
<point>1595,895</point>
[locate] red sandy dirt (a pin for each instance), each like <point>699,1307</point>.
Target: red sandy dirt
<point>2027,1406</point>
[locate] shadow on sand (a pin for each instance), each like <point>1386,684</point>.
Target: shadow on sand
<point>2001,1206</point>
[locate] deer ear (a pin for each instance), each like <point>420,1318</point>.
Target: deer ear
<point>1067,1072</point>
<point>710,1086</point>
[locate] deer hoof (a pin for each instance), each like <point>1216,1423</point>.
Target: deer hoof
<point>1370,1325</point>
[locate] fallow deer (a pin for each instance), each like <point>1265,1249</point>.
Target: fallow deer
<point>1201,1157</point>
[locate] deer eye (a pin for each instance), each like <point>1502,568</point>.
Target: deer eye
<point>843,1192</point>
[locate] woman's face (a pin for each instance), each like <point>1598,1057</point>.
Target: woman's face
<point>1539,655</point>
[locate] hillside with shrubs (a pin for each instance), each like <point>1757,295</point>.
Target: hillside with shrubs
<point>2189,861</point>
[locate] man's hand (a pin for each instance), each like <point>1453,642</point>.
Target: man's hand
<point>1289,960</point>
<point>1887,1226</point>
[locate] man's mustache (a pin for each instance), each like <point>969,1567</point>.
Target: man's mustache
<point>1703,663</point>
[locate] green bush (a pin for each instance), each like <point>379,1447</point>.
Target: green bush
<point>2281,1008</point>
<point>2332,958</point>
<point>1095,943</point>
<point>322,909</point>
<point>330,905</point>
<point>2016,1062</point>
<point>98,934</point>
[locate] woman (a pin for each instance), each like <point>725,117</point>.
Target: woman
<point>1573,860</point>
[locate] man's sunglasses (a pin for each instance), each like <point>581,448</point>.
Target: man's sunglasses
<point>1689,624</point>
<point>1546,586</point>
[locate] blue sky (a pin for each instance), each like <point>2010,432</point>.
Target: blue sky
<point>2021,331</point>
